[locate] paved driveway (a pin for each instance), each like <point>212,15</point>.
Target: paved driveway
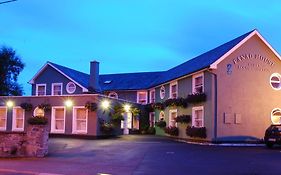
<point>144,155</point>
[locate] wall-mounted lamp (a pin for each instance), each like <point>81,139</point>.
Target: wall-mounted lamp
<point>127,108</point>
<point>68,103</point>
<point>105,104</point>
<point>9,104</point>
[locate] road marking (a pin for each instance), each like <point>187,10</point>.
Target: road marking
<point>170,152</point>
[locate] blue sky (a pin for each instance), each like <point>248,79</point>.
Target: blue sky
<point>128,35</point>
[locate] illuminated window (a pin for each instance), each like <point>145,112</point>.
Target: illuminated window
<point>40,89</point>
<point>18,119</point>
<point>198,83</point>
<point>56,88</point>
<point>172,117</point>
<point>162,92</point>
<point>3,118</point>
<point>276,116</point>
<point>142,97</point>
<point>198,116</point>
<point>58,120</point>
<point>174,90</point>
<point>70,88</point>
<point>38,112</point>
<point>162,115</point>
<point>152,96</point>
<point>80,120</point>
<point>113,95</point>
<point>151,119</point>
<point>275,81</point>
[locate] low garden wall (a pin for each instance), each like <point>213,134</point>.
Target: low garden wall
<point>32,143</point>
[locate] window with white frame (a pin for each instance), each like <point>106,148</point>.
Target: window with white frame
<point>40,89</point>
<point>162,92</point>
<point>80,120</point>
<point>275,81</point>
<point>142,97</point>
<point>38,112</point>
<point>152,96</point>
<point>18,119</point>
<point>198,83</point>
<point>70,87</point>
<point>198,116</point>
<point>173,90</point>
<point>113,95</point>
<point>58,119</point>
<point>56,88</point>
<point>173,113</point>
<point>151,119</point>
<point>3,118</point>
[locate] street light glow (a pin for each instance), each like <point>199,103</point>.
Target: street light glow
<point>127,107</point>
<point>9,104</point>
<point>105,104</point>
<point>68,103</point>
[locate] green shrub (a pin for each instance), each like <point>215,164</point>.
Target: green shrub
<point>181,102</point>
<point>196,132</point>
<point>172,130</point>
<point>151,130</point>
<point>37,120</point>
<point>161,124</point>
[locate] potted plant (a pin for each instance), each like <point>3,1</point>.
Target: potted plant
<point>196,98</point>
<point>172,130</point>
<point>196,132</point>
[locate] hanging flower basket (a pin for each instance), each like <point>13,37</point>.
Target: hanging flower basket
<point>180,102</point>
<point>196,98</point>
<point>159,106</point>
<point>183,119</point>
<point>37,120</point>
<point>45,106</point>
<point>26,106</point>
<point>91,106</point>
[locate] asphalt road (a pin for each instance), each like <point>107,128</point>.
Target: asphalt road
<point>145,155</point>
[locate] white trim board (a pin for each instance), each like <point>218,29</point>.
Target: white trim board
<point>255,32</point>
<point>49,64</point>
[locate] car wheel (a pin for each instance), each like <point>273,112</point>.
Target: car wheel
<point>269,144</point>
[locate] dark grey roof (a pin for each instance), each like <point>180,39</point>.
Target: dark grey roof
<point>145,80</point>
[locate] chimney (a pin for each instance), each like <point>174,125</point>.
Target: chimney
<point>94,85</point>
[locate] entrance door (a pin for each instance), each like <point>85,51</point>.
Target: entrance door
<point>127,123</point>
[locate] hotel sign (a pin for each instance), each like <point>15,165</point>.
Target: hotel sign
<point>253,62</point>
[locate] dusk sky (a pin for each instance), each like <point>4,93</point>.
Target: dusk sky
<point>128,35</point>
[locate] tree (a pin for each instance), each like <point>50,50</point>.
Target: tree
<point>10,67</point>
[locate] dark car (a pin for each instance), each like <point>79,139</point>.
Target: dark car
<point>272,135</point>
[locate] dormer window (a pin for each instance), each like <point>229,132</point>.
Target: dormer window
<point>56,88</point>
<point>113,95</point>
<point>142,97</point>
<point>174,90</point>
<point>198,83</point>
<point>40,89</point>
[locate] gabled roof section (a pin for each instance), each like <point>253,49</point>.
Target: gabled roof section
<point>79,78</point>
<point>204,60</point>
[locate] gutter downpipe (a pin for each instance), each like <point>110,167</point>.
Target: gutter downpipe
<point>215,106</point>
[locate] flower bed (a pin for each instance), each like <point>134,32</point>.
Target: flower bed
<point>173,131</point>
<point>196,132</point>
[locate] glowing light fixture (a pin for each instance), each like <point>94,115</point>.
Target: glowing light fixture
<point>68,103</point>
<point>9,104</point>
<point>105,104</point>
<point>127,107</point>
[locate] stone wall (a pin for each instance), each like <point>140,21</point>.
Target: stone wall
<point>32,143</point>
